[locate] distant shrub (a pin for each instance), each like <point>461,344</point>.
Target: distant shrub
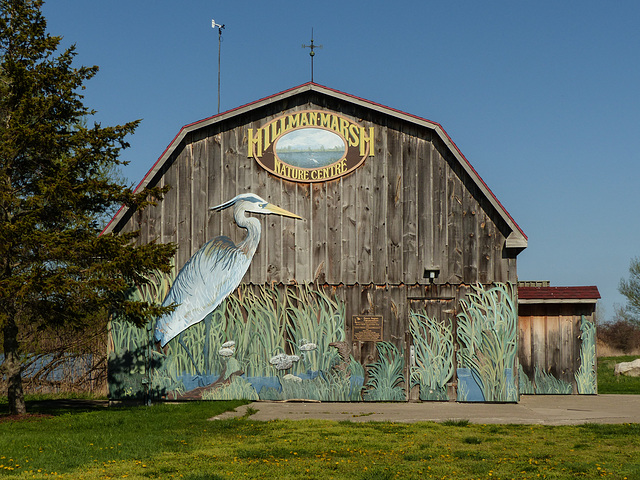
<point>622,335</point>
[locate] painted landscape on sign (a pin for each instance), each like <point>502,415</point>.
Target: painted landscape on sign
<point>310,148</point>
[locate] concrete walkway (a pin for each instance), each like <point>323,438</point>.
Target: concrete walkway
<point>532,409</point>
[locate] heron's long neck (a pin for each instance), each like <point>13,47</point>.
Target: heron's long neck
<point>253,227</point>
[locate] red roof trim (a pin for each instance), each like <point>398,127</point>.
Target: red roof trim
<point>558,293</point>
<point>445,133</point>
<point>180,133</point>
<point>311,84</point>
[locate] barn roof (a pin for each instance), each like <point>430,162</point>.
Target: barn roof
<point>588,294</point>
<point>517,239</point>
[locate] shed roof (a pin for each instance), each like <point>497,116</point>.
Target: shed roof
<point>516,239</point>
<point>587,294</point>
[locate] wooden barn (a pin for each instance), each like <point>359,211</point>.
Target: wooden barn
<point>330,248</point>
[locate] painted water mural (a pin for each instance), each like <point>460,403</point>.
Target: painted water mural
<point>310,148</point>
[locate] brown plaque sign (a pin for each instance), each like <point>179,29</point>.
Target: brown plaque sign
<point>367,328</point>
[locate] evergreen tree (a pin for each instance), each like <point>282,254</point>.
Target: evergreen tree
<point>56,189</point>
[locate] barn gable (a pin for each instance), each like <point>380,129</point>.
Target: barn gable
<point>403,210</point>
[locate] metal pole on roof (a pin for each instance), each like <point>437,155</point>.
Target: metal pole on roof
<point>220,27</point>
<point>311,53</point>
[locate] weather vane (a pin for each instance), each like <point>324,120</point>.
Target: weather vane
<point>311,53</point>
<point>220,27</point>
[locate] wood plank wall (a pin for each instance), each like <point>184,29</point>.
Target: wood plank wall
<point>409,207</point>
<point>549,338</point>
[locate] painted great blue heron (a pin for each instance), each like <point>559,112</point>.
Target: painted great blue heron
<point>215,270</point>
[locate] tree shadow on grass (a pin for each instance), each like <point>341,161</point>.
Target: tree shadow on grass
<point>46,408</point>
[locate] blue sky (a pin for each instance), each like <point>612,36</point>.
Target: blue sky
<point>543,98</point>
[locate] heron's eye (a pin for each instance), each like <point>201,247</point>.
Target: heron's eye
<point>263,205</point>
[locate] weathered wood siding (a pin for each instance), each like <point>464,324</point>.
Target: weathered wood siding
<point>550,338</point>
<point>409,207</point>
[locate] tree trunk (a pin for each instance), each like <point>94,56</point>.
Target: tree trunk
<point>13,369</point>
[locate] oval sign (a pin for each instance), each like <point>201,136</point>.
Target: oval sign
<point>310,146</point>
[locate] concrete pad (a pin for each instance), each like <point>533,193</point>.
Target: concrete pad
<point>532,409</point>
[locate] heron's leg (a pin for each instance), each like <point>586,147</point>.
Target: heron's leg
<point>207,339</point>
<point>184,345</point>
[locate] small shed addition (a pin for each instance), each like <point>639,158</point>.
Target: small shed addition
<point>557,345</point>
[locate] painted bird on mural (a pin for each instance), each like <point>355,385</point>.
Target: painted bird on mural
<point>215,270</point>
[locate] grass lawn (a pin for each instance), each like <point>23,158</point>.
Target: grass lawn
<point>609,383</point>
<point>177,441</point>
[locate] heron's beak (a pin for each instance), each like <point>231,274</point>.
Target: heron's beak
<point>280,211</point>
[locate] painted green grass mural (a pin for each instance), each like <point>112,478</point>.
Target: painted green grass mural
<point>286,342</point>
<point>547,384</point>
<point>130,358</point>
<point>586,374</point>
<point>525,385</point>
<point>256,320</point>
<point>261,342</point>
<point>544,383</point>
<point>237,388</point>
<point>386,376</point>
<point>315,320</point>
<point>434,353</point>
<point>487,335</point>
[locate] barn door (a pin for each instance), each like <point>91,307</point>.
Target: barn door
<point>487,339</point>
<point>431,348</point>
